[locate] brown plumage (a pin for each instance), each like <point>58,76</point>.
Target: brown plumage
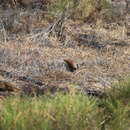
<point>71,66</point>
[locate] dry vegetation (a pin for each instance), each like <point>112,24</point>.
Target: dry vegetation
<point>33,47</point>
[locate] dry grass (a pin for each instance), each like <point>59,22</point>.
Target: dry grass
<point>102,52</point>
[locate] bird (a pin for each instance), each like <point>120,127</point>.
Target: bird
<point>71,65</point>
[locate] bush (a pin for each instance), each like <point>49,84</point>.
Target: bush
<point>121,90</point>
<point>63,112</point>
<point>79,8</point>
<point>115,114</point>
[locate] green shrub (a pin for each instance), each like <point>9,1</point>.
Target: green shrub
<point>116,106</point>
<point>115,114</point>
<point>63,112</point>
<point>78,8</point>
<point>121,90</point>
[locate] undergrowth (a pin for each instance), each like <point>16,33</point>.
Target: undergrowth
<point>68,111</point>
